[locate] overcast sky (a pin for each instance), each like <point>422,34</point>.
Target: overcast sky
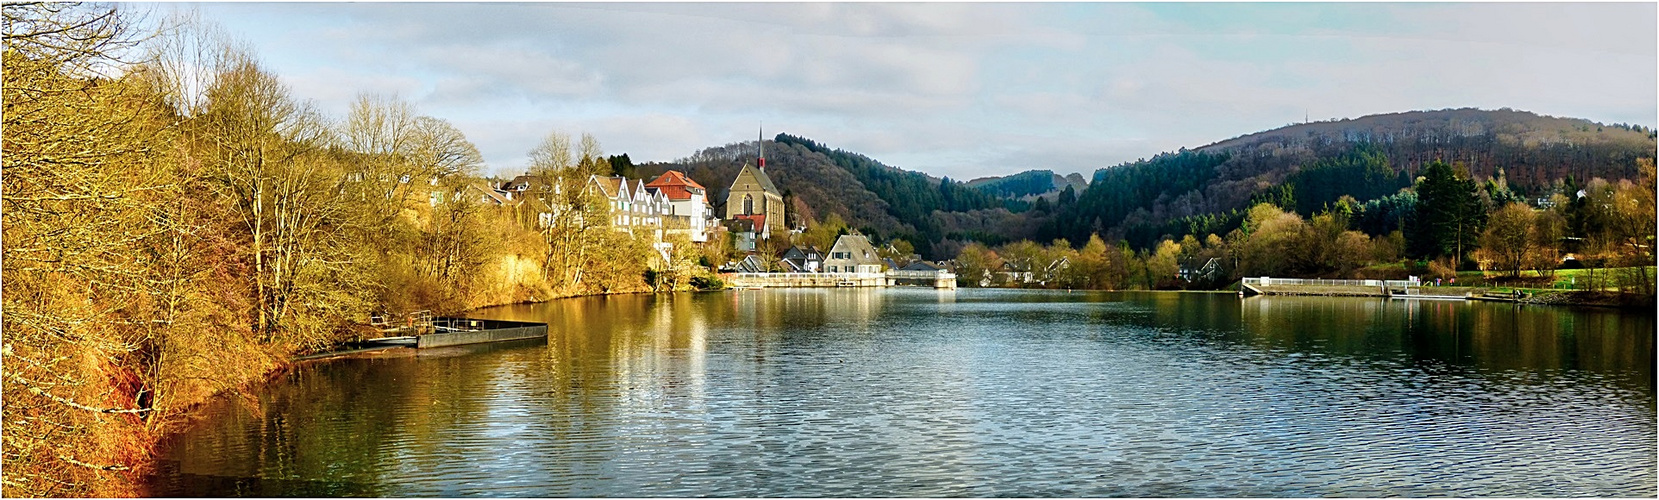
<point>959,90</point>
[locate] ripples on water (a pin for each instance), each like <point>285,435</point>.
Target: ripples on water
<point>968,393</point>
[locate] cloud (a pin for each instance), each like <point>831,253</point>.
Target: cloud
<point>951,89</point>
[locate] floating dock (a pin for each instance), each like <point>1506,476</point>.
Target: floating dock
<point>461,331</point>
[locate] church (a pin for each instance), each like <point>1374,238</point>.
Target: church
<point>754,198</point>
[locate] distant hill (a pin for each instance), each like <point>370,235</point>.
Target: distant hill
<point>1311,165</point>
<point>885,201</point>
<point>1030,185</point>
<point>1197,191</point>
<point>1533,150</point>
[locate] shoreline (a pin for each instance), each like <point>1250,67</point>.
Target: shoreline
<point>1570,298</point>
<point>139,473</point>
<point>149,441</point>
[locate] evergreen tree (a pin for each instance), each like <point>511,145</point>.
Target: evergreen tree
<point>1450,214</point>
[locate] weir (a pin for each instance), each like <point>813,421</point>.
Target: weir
<point>829,280</point>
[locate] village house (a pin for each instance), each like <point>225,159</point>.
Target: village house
<point>1016,272</point>
<point>742,232</point>
<point>852,253</point>
<point>632,206</point>
<point>801,260</point>
<point>925,266</point>
<point>748,264</point>
<point>479,192</point>
<point>688,210</point>
<point>1053,269</point>
<point>530,192</point>
<point>1199,270</point>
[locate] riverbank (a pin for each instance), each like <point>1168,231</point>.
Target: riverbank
<point>265,365</point>
<point>1528,297</point>
<point>665,388</point>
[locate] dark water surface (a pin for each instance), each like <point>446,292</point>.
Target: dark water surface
<point>916,392</point>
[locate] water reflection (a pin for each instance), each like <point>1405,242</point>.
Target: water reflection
<point>1494,338</point>
<point>917,392</point>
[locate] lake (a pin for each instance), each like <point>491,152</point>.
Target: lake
<point>921,392</point>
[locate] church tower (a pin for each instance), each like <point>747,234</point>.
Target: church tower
<point>755,198</point>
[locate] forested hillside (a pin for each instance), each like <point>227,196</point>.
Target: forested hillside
<point>1310,166</point>
<point>883,201</point>
<point>1030,184</point>
<point>1304,168</point>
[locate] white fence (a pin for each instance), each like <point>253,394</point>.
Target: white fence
<point>1267,281</point>
<point>850,276</point>
<point>922,275</point>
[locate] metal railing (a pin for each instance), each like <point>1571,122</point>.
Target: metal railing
<point>923,275</point>
<point>807,275</point>
<point>1268,281</point>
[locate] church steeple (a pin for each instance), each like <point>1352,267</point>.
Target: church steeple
<point>760,141</point>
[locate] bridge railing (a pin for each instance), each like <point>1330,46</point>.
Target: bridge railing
<point>1269,281</point>
<point>922,275</point>
<point>807,275</point>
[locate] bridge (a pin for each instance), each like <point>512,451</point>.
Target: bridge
<point>936,279</point>
<point>1297,286</point>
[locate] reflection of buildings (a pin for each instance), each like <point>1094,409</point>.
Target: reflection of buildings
<point>793,309</point>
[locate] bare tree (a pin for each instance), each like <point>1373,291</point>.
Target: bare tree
<point>76,192</point>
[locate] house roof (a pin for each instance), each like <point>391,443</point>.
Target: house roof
<point>495,196</point>
<point>608,186</point>
<point>857,246</point>
<point>921,265</point>
<point>521,183</point>
<point>675,185</point>
<point>760,178</point>
<point>759,220</point>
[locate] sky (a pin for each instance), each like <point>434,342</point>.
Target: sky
<point>962,90</point>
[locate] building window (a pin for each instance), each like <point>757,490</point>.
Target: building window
<point>748,205</point>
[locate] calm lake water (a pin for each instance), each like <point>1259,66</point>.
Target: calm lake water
<point>917,392</point>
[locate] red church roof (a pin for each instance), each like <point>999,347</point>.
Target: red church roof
<point>675,184</point>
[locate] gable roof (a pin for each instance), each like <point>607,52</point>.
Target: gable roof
<point>521,183</point>
<point>610,187</point>
<point>494,196</point>
<point>760,178</point>
<point>676,186</point>
<point>857,247</point>
<point>759,220</point>
<point>922,265</point>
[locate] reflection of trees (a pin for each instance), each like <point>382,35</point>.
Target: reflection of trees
<point>323,424</point>
<point>1486,336</point>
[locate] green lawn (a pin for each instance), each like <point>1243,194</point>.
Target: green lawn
<point>1564,279</point>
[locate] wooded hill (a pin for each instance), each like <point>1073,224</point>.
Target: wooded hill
<point>878,199</point>
<point>1030,185</point>
<point>1305,167</point>
<point>1309,166</point>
